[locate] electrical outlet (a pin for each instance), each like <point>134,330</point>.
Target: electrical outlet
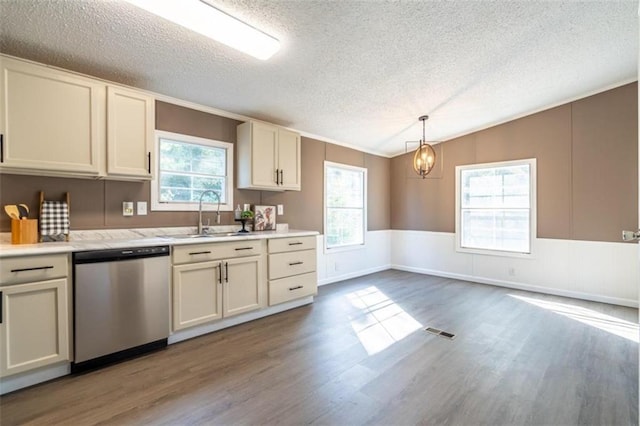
<point>280,209</point>
<point>127,208</point>
<point>142,208</point>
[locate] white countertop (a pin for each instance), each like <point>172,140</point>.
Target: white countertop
<point>130,238</point>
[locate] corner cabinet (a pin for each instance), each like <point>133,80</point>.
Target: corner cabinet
<point>217,280</point>
<point>57,123</point>
<point>268,157</point>
<point>130,126</point>
<point>50,120</point>
<point>34,314</point>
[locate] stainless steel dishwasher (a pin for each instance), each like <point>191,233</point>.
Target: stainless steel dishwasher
<point>121,304</point>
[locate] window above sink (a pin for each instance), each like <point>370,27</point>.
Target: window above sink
<point>185,167</point>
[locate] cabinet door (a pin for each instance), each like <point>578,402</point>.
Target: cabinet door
<point>197,294</point>
<point>130,124</point>
<point>34,329</point>
<point>52,121</point>
<point>244,285</point>
<point>264,148</point>
<point>289,159</point>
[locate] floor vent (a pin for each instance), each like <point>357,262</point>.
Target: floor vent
<point>440,333</point>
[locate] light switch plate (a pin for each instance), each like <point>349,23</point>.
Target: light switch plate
<point>127,208</point>
<point>142,208</point>
<point>280,209</point>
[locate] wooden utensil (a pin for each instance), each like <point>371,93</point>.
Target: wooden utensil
<point>23,210</point>
<point>12,211</point>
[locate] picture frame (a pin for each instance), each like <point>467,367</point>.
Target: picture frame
<point>264,218</point>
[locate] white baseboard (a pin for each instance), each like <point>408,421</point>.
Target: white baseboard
<point>519,286</point>
<point>19,381</point>
<point>355,274</point>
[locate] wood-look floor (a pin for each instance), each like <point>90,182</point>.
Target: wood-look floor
<point>531,359</point>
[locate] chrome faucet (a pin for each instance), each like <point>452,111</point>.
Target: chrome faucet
<point>200,227</point>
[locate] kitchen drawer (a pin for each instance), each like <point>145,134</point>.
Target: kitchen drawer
<point>213,251</point>
<point>280,245</point>
<point>15,270</point>
<point>294,263</point>
<point>292,288</point>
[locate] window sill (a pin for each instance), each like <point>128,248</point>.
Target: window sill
<point>339,249</point>
<point>498,253</point>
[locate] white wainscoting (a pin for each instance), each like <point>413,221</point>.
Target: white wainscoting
<point>591,270</point>
<point>374,256</point>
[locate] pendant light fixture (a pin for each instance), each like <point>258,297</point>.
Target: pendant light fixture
<point>425,157</point>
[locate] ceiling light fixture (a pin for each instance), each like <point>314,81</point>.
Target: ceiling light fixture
<point>425,157</point>
<point>203,18</point>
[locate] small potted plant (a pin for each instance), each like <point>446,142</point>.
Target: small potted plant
<point>244,217</point>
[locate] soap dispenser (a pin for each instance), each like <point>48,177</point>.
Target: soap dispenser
<point>238,212</point>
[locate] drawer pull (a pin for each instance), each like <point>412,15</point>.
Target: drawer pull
<point>295,288</point>
<point>295,263</point>
<point>244,248</point>
<point>297,243</point>
<point>199,252</point>
<point>32,269</point>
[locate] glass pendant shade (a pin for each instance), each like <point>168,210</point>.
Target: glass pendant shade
<point>425,157</point>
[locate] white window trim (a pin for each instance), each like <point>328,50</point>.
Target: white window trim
<point>533,229</point>
<point>324,203</point>
<point>208,206</point>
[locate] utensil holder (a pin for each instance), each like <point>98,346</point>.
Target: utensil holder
<point>24,231</point>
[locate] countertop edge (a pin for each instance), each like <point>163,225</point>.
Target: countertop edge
<point>10,250</point>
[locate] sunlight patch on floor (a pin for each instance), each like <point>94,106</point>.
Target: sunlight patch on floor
<point>613,325</point>
<point>382,322</point>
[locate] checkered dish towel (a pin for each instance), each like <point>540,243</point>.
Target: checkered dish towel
<point>54,218</point>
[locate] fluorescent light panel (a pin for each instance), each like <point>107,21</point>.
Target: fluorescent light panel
<point>205,19</point>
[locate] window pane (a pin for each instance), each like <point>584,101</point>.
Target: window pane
<point>188,188</point>
<point>189,157</point>
<point>345,203</point>
<point>496,187</point>
<point>187,169</point>
<point>344,227</point>
<point>506,230</point>
<point>345,188</point>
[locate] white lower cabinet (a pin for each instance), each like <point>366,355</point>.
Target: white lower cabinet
<point>207,289</point>
<point>292,269</point>
<point>34,328</point>
<point>197,294</point>
<point>243,285</point>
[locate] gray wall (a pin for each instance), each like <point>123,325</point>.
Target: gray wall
<point>587,159</point>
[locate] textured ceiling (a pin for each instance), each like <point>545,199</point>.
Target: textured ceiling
<point>355,72</point>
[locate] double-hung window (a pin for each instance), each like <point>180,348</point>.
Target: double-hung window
<point>495,207</point>
<point>345,201</point>
<point>186,167</point>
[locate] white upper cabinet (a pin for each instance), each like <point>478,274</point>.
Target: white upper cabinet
<point>268,157</point>
<point>51,121</point>
<point>130,126</point>
<point>289,159</point>
<point>56,123</point>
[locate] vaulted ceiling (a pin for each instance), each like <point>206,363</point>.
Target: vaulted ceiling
<point>358,73</point>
